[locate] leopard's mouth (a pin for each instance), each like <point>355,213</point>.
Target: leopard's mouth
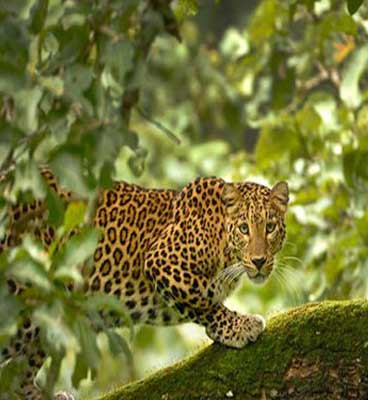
<point>258,277</point>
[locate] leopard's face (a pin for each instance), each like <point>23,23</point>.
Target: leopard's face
<point>256,226</point>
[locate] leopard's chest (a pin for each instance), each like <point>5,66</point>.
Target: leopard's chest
<point>222,285</point>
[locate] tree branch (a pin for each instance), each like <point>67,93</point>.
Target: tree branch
<point>316,351</point>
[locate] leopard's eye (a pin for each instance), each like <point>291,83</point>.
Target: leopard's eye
<point>270,227</point>
<point>244,228</point>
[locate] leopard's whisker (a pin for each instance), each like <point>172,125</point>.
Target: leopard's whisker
<point>299,260</point>
<point>238,274</point>
<point>226,271</point>
<point>289,243</point>
<point>286,267</point>
<point>236,270</point>
<point>228,275</point>
<point>233,274</point>
<point>292,281</point>
<point>280,282</point>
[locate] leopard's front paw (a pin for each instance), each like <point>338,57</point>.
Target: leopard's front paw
<point>63,396</point>
<point>238,332</point>
<point>257,325</point>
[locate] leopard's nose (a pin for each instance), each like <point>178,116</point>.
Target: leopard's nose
<point>259,262</point>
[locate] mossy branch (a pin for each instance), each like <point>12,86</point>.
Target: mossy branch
<point>316,351</point>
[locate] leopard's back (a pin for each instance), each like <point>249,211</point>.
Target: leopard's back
<point>130,218</point>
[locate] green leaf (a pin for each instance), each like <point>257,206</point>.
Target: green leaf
<point>308,119</point>
<point>283,83</point>
<point>77,80</point>
<point>12,78</point>
<point>13,35</point>
<point>276,142</point>
<point>80,369</point>
<point>337,22</point>
<point>16,7</point>
<point>50,45</point>
<point>27,265</point>
<point>353,5</point>
<point>38,16</point>
<point>105,179</point>
<point>71,177</point>
<point>68,263</point>
<point>355,167</point>
<point>111,139</point>
<point>35,250</point>
<point>53,372</point>
<point>28,179</point>
<point>10,306</point>
<point>118,59</point>
<point>349,90</point>
<point>26,108</point>
<point>74,215</point>
<point>333,265</point>
<point>27,270</point>
<point>55,332</point>
<point>234,44</point>
<point>137,161</point>
<point>264,21</point>
<point>53,84</point>
<point>362,226</point>
<point>119,345</point>
<point>9,137</point>
<point>55,207</point>
<point>186,8</point>
<point>131,139</point>
<point>72,43</point>
<point>10,377</point>
<point>102,302</point>
<point>87,339</point>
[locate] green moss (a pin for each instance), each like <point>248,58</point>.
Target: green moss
<point>302,350</point>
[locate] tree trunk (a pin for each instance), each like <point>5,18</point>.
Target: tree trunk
<point>316,351</point>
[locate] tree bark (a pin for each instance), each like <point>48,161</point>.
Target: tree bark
<point>316,351</point>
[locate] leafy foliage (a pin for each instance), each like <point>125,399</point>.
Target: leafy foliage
<point>104,90</point>
<point>70,74</point>
<point>353,5</point>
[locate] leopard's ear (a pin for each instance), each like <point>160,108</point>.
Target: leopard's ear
<point>280,196</point>
<point>231,198</point>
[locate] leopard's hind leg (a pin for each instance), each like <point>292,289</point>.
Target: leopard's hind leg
<point>24,347</point>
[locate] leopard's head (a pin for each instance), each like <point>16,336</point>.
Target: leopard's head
<point>255,222</point>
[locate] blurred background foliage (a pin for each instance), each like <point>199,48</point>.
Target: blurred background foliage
<point>157,93</point>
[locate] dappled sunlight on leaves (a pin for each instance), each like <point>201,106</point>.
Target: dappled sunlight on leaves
<point>120,90</point>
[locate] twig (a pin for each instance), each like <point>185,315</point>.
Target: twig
<point>15,153</point>
<point>7,164</point>
<point>158,125</point>
<point>324,75</point>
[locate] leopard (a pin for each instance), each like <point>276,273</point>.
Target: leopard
<point>169,256</point>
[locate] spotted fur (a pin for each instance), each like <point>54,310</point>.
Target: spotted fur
<point>170,256</point>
